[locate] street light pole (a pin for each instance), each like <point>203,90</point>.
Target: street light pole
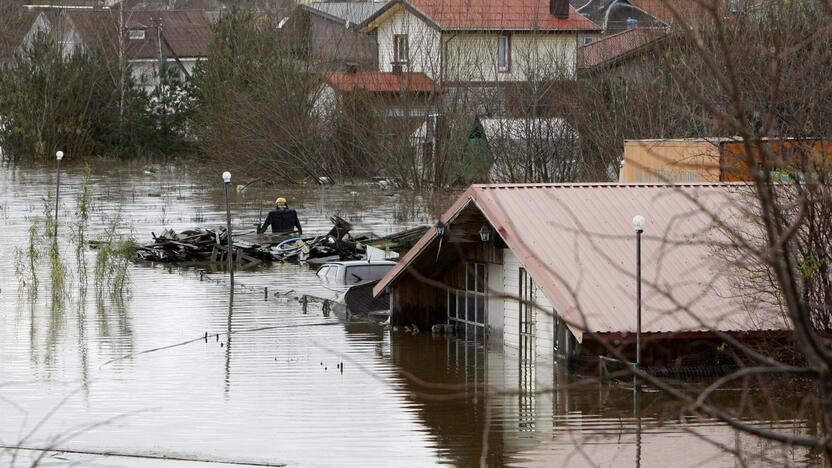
<point>226,178</point>
<point>58,156</point>
<point>638,225</point>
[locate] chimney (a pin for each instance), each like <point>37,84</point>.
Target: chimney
<point>352,67</point>
<point>559,8</point>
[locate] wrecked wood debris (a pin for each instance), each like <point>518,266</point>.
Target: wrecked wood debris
<point>209,246</point>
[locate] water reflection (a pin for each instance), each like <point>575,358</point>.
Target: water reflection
<point>513,410</point>
<point>228,336</point>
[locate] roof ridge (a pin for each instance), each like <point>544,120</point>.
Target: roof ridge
<point>607,185</point>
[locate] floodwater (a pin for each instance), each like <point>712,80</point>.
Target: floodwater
<point>133,380</point>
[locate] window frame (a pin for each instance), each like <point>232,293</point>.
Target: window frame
<point>472,296</point>
<point>507,38</point>
<point>398,41</point>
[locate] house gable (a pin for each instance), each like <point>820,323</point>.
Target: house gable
<point>423,44</point>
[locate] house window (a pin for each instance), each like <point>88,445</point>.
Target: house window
<point>401,48</point>
<point>466,308</point>
<point>504,53</point>
<point>136,34</point>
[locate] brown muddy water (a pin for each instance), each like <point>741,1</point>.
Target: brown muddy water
<point>130,380</point>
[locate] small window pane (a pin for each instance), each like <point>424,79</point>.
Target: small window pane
<point>503,53</point>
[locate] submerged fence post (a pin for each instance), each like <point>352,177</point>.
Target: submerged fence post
<point>58,156</point>
<point>226,177</point>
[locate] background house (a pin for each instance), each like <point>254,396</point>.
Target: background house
<point>463,43</point>
<point>174,39</point>
<point>325,35</point>
<point>391,95</point>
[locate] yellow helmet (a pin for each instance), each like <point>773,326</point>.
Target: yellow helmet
<point>280,201</point>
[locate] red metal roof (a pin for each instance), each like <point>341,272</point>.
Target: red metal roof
<point>617,46</point>
<point>578,244</point>
<point>381,82</point>
<point>526,15</point>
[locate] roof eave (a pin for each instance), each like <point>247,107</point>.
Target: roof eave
<point>423,243</point>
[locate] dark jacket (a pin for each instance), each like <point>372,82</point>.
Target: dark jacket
<point>282,220</point>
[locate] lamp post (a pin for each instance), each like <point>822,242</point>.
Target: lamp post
<point>226,178</point>
<point>638,225</point>
<point>58,156</point>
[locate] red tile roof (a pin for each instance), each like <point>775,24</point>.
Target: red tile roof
<point>617,46</point>
<point>478,15</point>
<point>381,82</point>
<point>578,244</point>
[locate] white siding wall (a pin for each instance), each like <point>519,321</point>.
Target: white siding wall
<point>534,56</point>
<point>511,285</point>
<point>544,321</point>
<point>423,43</point>
<point>495,305</point>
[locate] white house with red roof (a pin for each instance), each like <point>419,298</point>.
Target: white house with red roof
<point>479,41</point>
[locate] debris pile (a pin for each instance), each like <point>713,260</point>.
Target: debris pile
<point>200,246</point>
<point>210,246</point>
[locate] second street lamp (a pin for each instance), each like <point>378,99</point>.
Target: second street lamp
<point>226,178</point>
<point>638,226</point>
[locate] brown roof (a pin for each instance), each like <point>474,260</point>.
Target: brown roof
<point>578,244</point>
<point>188,32</point>
<point>478,15</point>
<point>381,82</point>
<point>616,47</point>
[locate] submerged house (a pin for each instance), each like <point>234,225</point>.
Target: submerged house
<point>549,269</point>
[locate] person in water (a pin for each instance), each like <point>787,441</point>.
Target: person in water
<point>282,218</point>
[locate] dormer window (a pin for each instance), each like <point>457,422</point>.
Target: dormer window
<point>136,34</point>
